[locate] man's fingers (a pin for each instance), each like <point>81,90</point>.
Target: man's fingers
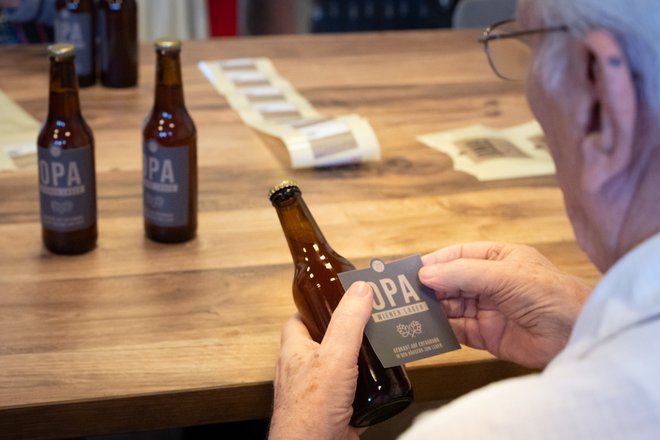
<point>454,308</point>
<point>294,329</point>
<point>344,334</point>
<point>465,277</point>
<point>481,250</point>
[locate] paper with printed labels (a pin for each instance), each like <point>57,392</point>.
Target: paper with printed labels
<point>18,144</point>
<point>491,154</point>
<point>268,103</point>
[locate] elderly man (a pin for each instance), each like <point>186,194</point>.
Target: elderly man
<point>594,85</point>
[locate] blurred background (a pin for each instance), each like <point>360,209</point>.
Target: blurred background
<point>214,18</point>
<point>23,21</point>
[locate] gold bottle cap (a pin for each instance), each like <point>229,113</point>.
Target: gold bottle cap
<point>167,44</point>
<point>282,186</point>
<point>61,51</point>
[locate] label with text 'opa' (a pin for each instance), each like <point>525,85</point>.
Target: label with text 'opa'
<point>407,322</point>
<point>165,184</point>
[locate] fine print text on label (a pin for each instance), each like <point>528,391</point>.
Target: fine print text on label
<point>407,323</point>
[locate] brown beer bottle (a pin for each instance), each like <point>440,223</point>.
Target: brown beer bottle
<point>67,179</point>
<point>118,42</point>
<point>381,392</point>
<point>74,23</point>
<point>169,154</point>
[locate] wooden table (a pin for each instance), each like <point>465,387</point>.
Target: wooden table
<point>138,335</point>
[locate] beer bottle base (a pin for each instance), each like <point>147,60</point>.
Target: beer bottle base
<point>380,412</point>
<point>86,80</point>
<point>69,243</point>
<point>169,235</point>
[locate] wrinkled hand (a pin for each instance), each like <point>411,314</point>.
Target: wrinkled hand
<point>507,299</point>
<point>315,383</point>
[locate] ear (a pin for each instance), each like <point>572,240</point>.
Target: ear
<point>608,143</point>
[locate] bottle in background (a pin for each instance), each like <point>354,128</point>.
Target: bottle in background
<point>169,154</point>
<point>67,179</point>
<point>118,42</point>
<point>74,23</point>
<point>381,392</point>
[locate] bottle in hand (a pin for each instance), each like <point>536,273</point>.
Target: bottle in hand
<point>118,42</point>
<point>67,180</point>
<point>381,392</point>
<point>169,153</point>
<point>74,23</point>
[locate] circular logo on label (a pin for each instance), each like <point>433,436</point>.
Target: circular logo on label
<point>156,202</point>
<point>152,146</point>
<point>61,208</point>
<point>55,151</point>
<point>377,265</point>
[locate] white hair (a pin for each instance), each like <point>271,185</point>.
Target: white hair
<point>635,24</point>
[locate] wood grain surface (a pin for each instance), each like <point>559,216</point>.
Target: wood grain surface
<point>138,335</point>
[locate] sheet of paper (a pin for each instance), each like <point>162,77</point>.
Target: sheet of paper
<point>492,154</point>
<point>318,142</point>
<point>269,104</point>
<point>6,164</point>
<point>18,143</point>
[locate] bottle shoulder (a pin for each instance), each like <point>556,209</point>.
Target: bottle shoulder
<point>170,127</point>
<point>77,7</point>
<point>328,259</point>
<point>126,6</point>
<point>65,132</point>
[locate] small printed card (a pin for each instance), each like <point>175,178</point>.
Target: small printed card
<point>407,322</point>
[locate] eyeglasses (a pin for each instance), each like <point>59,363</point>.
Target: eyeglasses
<point>508,48</point>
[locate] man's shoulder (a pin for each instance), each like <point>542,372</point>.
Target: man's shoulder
<point>568,403</point>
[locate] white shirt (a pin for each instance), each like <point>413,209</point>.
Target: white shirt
<point>605,384</point>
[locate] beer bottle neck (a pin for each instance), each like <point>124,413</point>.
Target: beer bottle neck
<point>169,85</point>
<point>63,101</point>
<point>300,229</point>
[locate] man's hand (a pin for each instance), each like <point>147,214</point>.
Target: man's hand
<point>507,299</point>
<point>315,383</point>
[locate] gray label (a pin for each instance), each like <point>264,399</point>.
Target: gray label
<point>66,188</point>
<point>407,323</point>
<point>76,28</point>
<point>165,181</point>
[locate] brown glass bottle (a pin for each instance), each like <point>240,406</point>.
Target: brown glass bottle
<point>74,23</point>
<point>169,154</point>
<point>381,392</point>
<point>67,179</point>
<point>118,43</point>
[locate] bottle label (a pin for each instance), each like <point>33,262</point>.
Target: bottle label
<point>66,188</point>
<point>407,322</point>
<point>76,28</point>
<point>165,182</point>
